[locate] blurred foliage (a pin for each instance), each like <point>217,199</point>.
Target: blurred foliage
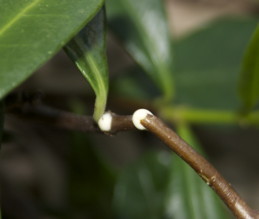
<point>88,51</point>
<point>142,27</point>
<point>249,82</point>
<point>161,185</point>
<point>134,84</point>
<point>142,187</point>
<point>207,64</point>
<point>91,181</point>
<point>205,72</point>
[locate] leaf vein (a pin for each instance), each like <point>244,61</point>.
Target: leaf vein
<point>46,15</point>
<point>100,82</point>
<point>17,17</point>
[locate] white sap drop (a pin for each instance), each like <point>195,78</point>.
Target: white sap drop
<point>139,115</point>
<point>105,122</point>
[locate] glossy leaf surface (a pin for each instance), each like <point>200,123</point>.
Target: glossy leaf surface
<point>88,50</point>
<point>142,28</point>
<point>188,196</point>
<point>32,31</point>
<point>249,80</point>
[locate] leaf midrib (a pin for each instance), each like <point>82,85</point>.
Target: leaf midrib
<point>98,74</point>
<point>18,16</point>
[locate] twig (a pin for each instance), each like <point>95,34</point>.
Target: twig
<point>205,170</point>
<point>66,120</point>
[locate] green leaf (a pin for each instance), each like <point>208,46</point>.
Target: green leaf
<point>142,27</point>
<point>88,50</point>
<point>249,78</point>
<point>161,185</point>
<point>188,196</point>
<point>140,189</point>
<point>133,84</point>
<point>32,31</point>
<point>207,64</point>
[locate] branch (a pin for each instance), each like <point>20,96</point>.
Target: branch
<point>143,119</point>
<point>66,120</point>
<point>57,118</point>
<point>204,169</point>
<point>111,123</point>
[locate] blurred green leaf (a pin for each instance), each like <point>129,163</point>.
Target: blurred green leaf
<point>133,84</point>
<point>32,31</point>
<point>142,27</point>
<point>140,189</point>
<point>88,50</point>
<point>91,181</point>
<point>249,79</point>
<point>160,185</point>
<point>188,196</point>
<point>207,64</point>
